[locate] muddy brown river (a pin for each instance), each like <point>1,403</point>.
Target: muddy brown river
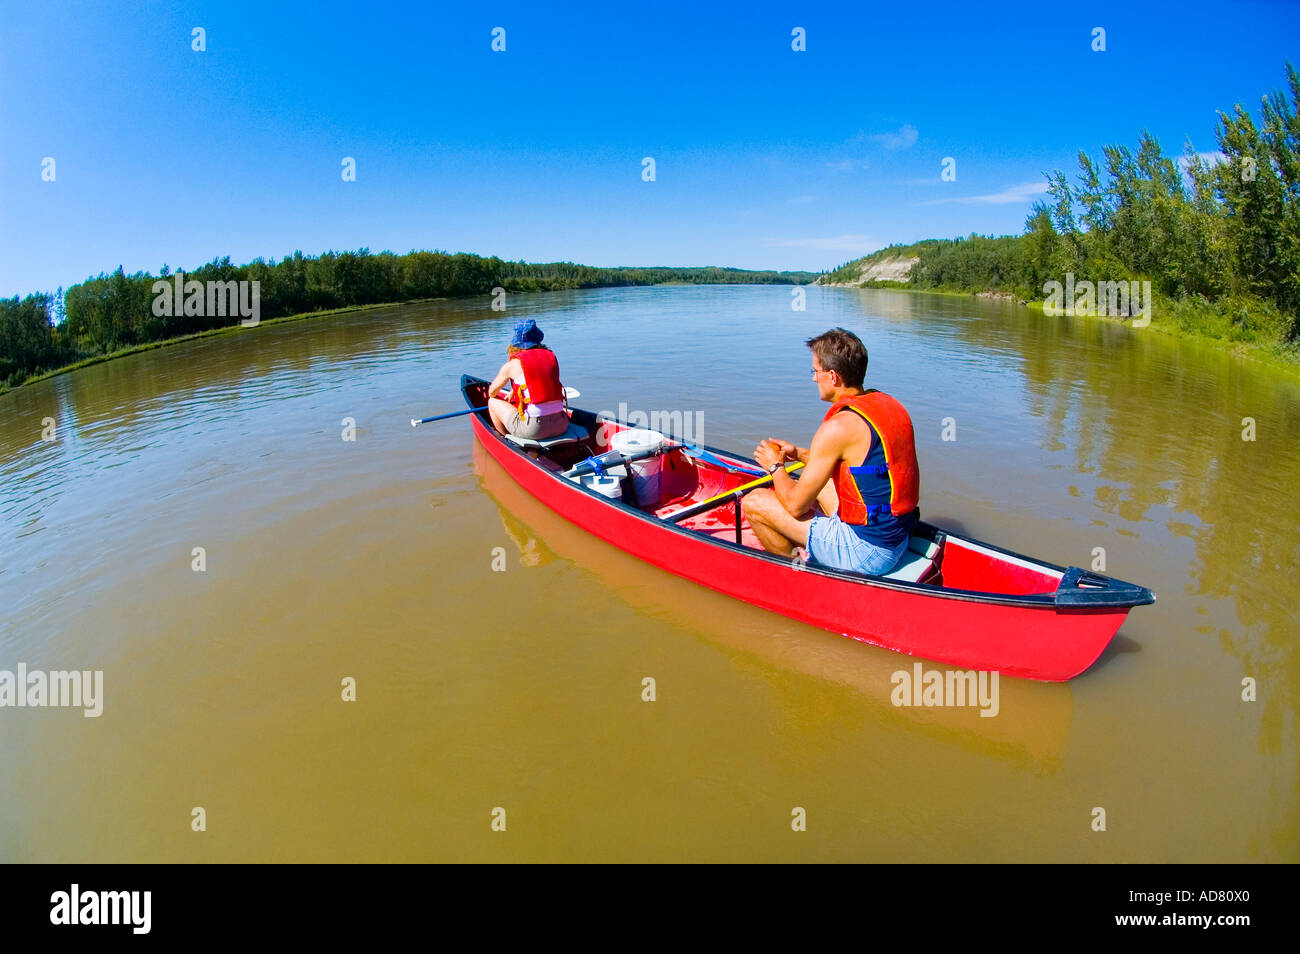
<point>235,530</point>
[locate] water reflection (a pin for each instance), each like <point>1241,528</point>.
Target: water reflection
<point>1076,440</point>
<point>1033,720</point>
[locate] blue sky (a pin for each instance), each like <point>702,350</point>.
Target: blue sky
<point>765,158</point>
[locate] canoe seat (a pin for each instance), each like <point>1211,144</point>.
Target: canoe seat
<point>575,433</point>
<point>918,564</point>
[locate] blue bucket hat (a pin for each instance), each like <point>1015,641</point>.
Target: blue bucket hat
<point>527,334</point>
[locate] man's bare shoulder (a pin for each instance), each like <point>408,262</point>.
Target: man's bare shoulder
<point>836,432</point>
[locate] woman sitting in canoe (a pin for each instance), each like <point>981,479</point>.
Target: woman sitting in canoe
<point>861,468</point>
<point>535,407</point>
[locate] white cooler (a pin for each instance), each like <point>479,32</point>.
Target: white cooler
<point>645,472</point>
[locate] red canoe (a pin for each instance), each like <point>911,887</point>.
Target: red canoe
<point>953,600</point>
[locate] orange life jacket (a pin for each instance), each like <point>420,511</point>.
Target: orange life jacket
<point>882,492</point>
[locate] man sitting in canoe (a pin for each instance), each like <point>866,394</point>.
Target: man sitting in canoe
<point>861,469</point>
<point>535,409</point>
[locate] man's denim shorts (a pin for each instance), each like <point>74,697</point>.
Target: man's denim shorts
<point>834,543</point>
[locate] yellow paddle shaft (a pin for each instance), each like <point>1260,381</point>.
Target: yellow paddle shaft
<point>789,469</point>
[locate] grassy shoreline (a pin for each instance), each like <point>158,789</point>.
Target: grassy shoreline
<point>1183,320</point>
<point>1285,359</point>
<point>210,333</point>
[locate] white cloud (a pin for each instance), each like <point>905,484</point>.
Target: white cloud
<point>1008,196</point>
<point>1209,158</point>
<point>903,139</point>
<point>836,243</point>
<point>845,165</point>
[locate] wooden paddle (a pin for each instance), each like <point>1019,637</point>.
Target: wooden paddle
<point>719,499</point>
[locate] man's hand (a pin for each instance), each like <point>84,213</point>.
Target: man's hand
<point>787,450</point>
<point>820,461</point>
<point>767,454</point>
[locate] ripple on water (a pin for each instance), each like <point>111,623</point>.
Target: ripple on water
<point>374,557</point>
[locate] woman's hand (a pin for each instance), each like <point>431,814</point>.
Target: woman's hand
<point>504,376</point>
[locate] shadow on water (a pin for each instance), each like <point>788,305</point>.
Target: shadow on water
<point>1034,718</point>
<point>1120,645</point>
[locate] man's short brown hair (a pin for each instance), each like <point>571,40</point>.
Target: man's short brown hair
<point>842,352</point>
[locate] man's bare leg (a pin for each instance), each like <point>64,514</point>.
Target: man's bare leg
<point>772,524</point>
<point>829,499</point>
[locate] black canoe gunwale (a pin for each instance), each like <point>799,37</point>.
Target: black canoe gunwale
<point>1104,592</point>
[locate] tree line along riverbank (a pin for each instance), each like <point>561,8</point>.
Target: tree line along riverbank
<point>117,314</point>
<point>1214,236</point>
<point>1217,235</point>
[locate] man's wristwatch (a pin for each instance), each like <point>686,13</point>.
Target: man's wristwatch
<point>774,468</point>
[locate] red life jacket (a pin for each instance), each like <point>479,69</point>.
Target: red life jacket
<point>541,379</point>
<point>882,492</point>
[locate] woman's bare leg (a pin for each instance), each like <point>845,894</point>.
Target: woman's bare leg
<point>495,409</point>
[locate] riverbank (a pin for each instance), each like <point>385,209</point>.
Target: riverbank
<point>1178,319</point>
<point>114,314</point>
<point>1243,325</point>
<point>514,286</point>
<point>1209,322</point>
<point>210,333</point>
<point>1239,334</point>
